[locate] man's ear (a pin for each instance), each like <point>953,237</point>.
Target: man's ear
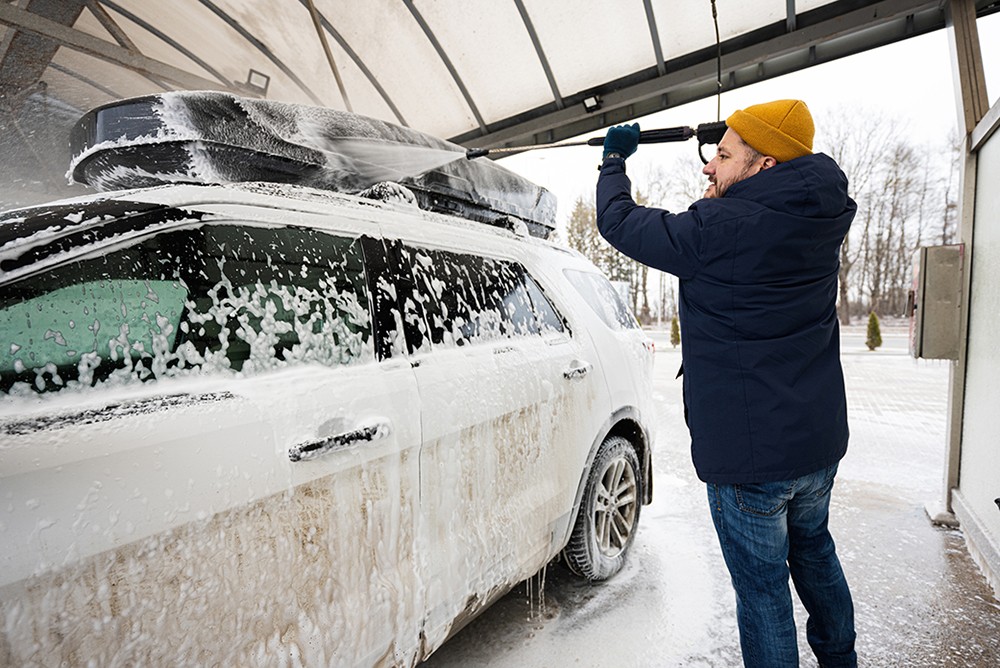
<point>768,163</point>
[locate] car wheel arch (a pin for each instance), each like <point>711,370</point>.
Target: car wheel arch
<point>627,423</point>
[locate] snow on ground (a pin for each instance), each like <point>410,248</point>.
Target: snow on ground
<point>920,600</point>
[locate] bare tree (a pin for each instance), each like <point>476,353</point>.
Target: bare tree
<point>887,258</point>
<point>672,188</point>
<point>581,229</point>
<point>949,218</point>
<point>582,235</point>
<point>675,187</point>
<point>856,140</point>
<point>905,192</point>
<point>921,176</point>
<point>640,278</point>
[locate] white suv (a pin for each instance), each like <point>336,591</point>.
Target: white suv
<point>248,421</point>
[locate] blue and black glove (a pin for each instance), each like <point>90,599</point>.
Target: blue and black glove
<point>621,139</point>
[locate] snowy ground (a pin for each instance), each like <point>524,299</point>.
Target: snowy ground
<point>920,600</point>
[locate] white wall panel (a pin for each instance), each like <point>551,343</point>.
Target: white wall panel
<point>980,467</point>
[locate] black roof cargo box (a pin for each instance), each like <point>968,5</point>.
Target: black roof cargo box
<point>212,137</point>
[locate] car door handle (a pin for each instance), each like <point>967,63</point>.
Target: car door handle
<point>314,449</point>
<point>577,369</point>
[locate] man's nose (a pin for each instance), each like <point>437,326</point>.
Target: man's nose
<point>709,168</point>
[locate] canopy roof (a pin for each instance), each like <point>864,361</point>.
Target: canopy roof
<point>481,73</point>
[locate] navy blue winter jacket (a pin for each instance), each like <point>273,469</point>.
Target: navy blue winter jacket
<point>763,385</point>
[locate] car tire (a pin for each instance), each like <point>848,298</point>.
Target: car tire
<point>608,517</point>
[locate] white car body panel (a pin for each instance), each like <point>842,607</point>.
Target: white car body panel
<point>207,495</point>
<point>120,531</point>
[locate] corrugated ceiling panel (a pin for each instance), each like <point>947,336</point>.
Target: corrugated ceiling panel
<point>391,43</point>
<point>611,42</point>
<point>212,40</point>
<point>150,45</point>
<point>293,38</point>
<point>587,43</point>
<point>287,30</point>
<point>683,26</point>
<point>493,55</point>
<point>123,82</point>
<point>737,16</point>
<point>688,26</point>
<point>364,96</point>
<point>806,5</point>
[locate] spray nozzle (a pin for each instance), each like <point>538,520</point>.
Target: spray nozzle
<point>477,153</point>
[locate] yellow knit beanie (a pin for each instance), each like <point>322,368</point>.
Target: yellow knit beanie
<point>782,129</point>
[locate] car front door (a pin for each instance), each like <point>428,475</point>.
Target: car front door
<point>496,372</point>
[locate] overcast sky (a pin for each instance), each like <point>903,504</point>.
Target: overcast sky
<point>910,82</point>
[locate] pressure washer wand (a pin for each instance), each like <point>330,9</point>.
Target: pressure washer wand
<point>707,133</point>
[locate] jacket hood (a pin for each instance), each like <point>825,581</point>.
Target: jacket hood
<point>812,186</point>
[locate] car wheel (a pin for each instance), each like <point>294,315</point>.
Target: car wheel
<point>609,512</point>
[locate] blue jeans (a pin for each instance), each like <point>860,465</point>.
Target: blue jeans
<point>767,532</point>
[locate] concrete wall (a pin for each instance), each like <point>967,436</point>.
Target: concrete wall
<point>979,473</point>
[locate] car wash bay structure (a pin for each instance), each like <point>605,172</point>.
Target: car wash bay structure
<point>513,73</point>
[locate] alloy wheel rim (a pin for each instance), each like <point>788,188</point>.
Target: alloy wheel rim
<point>615,507</point>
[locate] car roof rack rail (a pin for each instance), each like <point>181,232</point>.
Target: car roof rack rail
<point>212,137</point>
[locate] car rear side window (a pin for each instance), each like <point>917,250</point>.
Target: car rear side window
<point>602,297</point>
<point>219,298</point>
<point>548,318</point>
<point>468,298</point>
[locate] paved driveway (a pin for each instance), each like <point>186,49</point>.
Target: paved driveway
<point>920,599</point>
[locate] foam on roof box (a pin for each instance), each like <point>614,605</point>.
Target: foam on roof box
<point>212,137</point>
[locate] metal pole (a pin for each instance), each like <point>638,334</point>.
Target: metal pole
<point>329,53</point>
<point>972,105</point>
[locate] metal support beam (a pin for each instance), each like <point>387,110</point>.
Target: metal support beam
<point>13,102</point>
<point>93,46</point>
<point>985,128</point>
<point>352,54</point>
<point>109,24</point>
<point>530,27</point>
<point>418,17</point>
<point>973,104</point>
<point>263,48</point>
<point>115,31</point>
<point>162,36</point>
<point>24,55</point>
<point>661,67</point>
<point>90,82</point>
<point>329,54</point>
<point>967,64</point>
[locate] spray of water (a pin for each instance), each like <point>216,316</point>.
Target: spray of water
<point>371,161</point>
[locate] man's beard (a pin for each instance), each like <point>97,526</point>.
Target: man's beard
<point>720,189</point>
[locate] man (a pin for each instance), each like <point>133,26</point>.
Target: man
<point>757,260</point>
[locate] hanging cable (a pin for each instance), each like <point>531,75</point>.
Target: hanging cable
<point>718,64</point>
